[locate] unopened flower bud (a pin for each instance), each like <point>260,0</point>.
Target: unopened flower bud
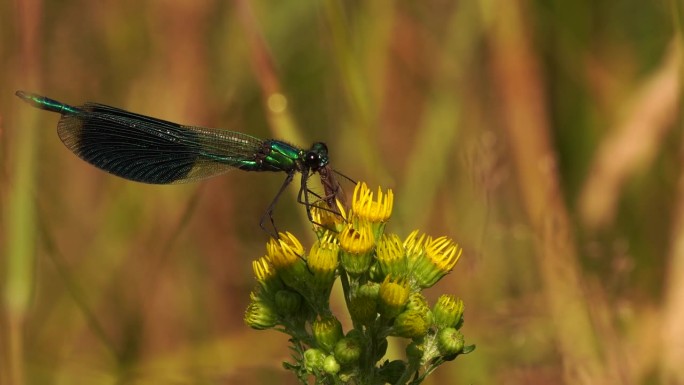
<point>287,302</point>
<point>313,359</point>
<point>330,365</point>
<point>393,296</point>
<point>450,341</point>
<point>448,311</point>
<point>347,350</point>
<point>327,331</point>
<point>260,315</point>
<point>411,324</point>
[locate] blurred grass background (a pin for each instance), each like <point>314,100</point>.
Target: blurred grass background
<point>545,137</point>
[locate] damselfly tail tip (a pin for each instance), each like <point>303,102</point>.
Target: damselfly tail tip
<point>40,101</point>
<point>22,94</point>
<point>29,97</point>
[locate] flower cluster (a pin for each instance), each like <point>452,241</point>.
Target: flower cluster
<point>382,278</point>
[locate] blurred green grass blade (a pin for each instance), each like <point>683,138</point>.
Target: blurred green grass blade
<point>436,142</point>
<point>354,82</point>
<point>429,161</point>
<point>21,217</point>
<point>20,240</point>
<point>281,122</point>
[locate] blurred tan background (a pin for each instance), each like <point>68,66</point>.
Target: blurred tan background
<point>545,137</point>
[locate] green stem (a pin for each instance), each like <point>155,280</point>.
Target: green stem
<point>346,288</point>
<point>411,368</point>
<point>367,363</point>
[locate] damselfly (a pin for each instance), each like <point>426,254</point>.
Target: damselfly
<point>150,150</point>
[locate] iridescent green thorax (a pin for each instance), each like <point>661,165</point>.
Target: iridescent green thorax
<point>278,156</point>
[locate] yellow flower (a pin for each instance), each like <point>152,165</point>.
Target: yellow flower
<point>439,257</point>
<point>415,247</point>
<point>284,251</point>
<point>325,218</point>
<point>286,255</point>
<point>356,241</point>
<point>376,211</point>
<point>266,274</point>
<point>391,256</point>
<point>366,207</point>
<point>262,269</point>
<point>356,238</point>
<point>323,260</point>
<point>444,253</point>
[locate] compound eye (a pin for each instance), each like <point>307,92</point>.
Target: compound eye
<point>317,156</point>
<point>312,158</point>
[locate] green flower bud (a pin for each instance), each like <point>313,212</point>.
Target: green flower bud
<point>450,341</point>
<point>393,296</point>
<point>347,375</point>
<point>348,350</point>
<point>355,334</point>
<point>415,350</point>
<point>287,302</point>
<point>391,255</point>
<point>330,365</point>
<point>411,324</point>
<point>369,289</point>
<point>391,371</point>
<point>448,311</point>
<point>417,301</point>
<point>327,331</point>
<point>260,315</point>
<point>313,360</point>
<point>364,304</point>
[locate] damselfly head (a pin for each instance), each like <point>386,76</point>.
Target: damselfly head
<point>317,156</point>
